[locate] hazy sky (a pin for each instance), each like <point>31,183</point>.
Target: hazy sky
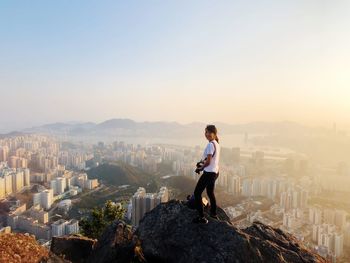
<point>231,61</point>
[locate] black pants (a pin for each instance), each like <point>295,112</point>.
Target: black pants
<point>207,180</point>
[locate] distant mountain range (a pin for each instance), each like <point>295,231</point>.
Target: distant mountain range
<point>130,128</point>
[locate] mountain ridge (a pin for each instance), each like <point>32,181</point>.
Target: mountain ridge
<point>123,126</point>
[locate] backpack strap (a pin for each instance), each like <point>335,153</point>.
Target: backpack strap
<point>214,149</point>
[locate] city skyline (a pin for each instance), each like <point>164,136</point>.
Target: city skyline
<point>267,61</point>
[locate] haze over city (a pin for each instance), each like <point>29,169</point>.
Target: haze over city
<point>233,62</point>
<point>115,116</point>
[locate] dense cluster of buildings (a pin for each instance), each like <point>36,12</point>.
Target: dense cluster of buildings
<point>146,158</point>
<point>41,152</point>
<point>12,180</point>
<point>325,230</point>
<point>280,189</point>
<point>61,184</point>
<point>37,160</point>
<point>64,187</point>
<point>330,231</point>
<point>36,222</point>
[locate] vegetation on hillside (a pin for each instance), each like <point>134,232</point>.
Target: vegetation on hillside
<point>120,174</point>
<point>99,218</point>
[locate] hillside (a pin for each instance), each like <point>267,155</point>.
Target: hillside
<point>181,186</point>
<point>119,174</point>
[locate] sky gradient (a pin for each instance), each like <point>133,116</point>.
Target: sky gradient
<point>229,61</point>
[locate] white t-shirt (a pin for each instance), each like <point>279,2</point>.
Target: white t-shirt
<point>213,167</point>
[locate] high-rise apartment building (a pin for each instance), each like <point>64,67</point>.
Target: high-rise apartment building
<point>234,184</point>
<point>143,202</point>
<point>44,199</point>
<point>4,153</point>
<point>2,188</point>
<point>63,227</point>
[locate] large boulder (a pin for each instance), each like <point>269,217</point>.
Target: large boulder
<point>115,245</point>
<point>74,248</point>
<point>167,234</point>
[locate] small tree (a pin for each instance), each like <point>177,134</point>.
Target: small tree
<point>93,225</point>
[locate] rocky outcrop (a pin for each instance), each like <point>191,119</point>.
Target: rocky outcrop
<point>115,245</point>
<point>73,248</point>
<point>167,234</point>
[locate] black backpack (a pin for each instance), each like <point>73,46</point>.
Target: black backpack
<point>191,203</point>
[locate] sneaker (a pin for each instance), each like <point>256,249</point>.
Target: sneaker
<point>214,216</point>
<point>200,220</point>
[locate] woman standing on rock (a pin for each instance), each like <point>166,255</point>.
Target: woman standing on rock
<point>210,167</point>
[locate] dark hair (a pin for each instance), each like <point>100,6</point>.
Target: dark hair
<point>212,129</point>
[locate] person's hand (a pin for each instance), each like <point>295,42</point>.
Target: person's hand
<point>199,170</point>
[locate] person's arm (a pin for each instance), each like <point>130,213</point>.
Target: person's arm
<point>207,161</point>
